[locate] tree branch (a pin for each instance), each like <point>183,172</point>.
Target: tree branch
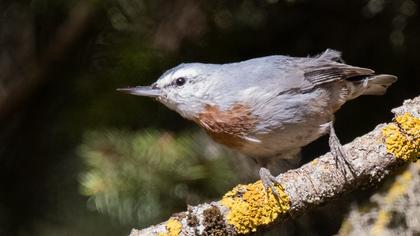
<point>247,208</point>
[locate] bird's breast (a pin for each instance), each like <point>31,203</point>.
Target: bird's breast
<point>229,126</point>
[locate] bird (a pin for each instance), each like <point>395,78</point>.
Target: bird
<point>266,108</point>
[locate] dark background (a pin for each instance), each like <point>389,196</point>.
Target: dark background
<point>61,61</point>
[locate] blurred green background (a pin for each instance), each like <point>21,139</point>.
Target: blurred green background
<point>78,158</point>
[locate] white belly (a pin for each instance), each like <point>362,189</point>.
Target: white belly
<point>282,141</point>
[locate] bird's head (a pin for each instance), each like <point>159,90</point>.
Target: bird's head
<point>185,88</point>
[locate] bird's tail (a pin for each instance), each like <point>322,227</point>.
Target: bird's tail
<point>377,84</point>
<point>371,84</point>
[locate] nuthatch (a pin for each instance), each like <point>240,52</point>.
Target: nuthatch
<point>268,107</point>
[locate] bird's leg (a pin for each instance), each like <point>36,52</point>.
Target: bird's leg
<point>269,181</point>
<point>280,163</point>
<point>337,149</point>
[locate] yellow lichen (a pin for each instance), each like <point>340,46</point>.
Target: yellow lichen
<point>381,222</point>
<point>396,190</point>
<point>402,137</point>
<point>251,206</point>
<point>173,227</point>
<point>346,228</point>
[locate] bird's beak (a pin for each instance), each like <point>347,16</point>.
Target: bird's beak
<point>146,91</point>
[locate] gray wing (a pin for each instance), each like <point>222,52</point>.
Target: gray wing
<point>330,73</point>
<point>327,68</point>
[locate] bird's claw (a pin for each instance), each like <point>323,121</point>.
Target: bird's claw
<point>337,149</point>
<point>269,182</point>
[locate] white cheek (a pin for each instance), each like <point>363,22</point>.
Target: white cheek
<point>188,101</point>
<point>177,102</point>
<point>168,100</point>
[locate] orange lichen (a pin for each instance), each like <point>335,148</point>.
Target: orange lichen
<point>402,137</point>
<point>251,206</point>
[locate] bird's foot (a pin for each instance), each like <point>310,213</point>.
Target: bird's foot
<point>269,182</point>
<point>338,151</point>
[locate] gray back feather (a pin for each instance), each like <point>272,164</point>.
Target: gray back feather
<point>288,73</point>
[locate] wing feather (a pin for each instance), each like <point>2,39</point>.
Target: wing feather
<point>314,76</point>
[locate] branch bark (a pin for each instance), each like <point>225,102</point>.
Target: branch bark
<point>247,208</point>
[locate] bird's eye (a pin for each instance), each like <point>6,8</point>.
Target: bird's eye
<point>180,81</point>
